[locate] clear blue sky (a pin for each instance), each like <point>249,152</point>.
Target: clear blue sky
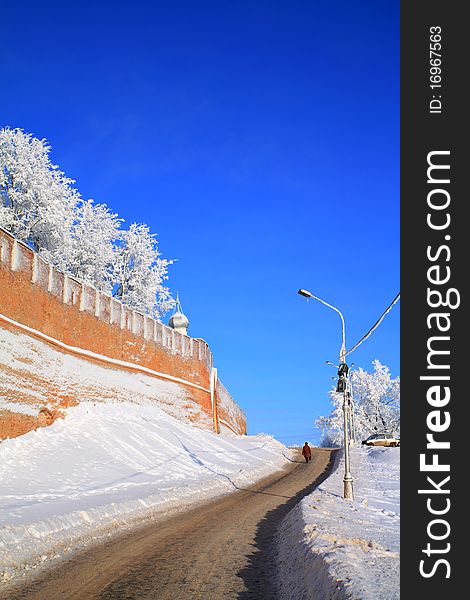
<point>260,141</point>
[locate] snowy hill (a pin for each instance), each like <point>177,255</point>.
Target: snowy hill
<point>107,465</point>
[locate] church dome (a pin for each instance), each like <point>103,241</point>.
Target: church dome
<point>178,320</point>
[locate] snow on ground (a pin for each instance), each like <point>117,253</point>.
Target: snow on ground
<point>108,465</point>
<point>129,452</point>
<point>335,549</point>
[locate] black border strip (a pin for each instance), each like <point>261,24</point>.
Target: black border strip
<point>423,246</point>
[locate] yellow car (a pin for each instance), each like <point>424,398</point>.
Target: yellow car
<point>381,439</point>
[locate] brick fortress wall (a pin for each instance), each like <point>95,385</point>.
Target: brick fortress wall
<point>43,307</point>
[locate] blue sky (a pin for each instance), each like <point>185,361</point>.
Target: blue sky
<point>260,141</point>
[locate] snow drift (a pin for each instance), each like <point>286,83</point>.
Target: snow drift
<point>332,548</point>
<point>107,466</point>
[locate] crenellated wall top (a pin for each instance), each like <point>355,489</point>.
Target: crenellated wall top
<point>18,257</point>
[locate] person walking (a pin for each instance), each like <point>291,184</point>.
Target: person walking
<point>307,452</point>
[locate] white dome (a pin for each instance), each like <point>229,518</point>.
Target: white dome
<point>178,320</point>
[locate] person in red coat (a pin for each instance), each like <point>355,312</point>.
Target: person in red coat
<point>307,452</point>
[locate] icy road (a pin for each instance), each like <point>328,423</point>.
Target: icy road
<point>223,549</point>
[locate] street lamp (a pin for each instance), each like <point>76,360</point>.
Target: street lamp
<point>342,387</point>
<point>342,352</point>
<point>342,381</point>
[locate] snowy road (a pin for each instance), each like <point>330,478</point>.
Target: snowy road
<point>224,549</point>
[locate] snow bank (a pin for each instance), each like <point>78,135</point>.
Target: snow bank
<point>108,465</point>
<point>335,549</point>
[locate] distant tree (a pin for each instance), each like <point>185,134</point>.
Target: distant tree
<point>139,272</point>
<point>377,400</point>
<point>331,425</point>
<point>376,405</point>
<point>37,201</point>
<point>90,250</point>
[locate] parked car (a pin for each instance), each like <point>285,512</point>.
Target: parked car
<point>382,439</point>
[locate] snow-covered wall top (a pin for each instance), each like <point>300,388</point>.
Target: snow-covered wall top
<point>78,319</point>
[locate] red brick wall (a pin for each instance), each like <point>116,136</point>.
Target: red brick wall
<point>36,296</point>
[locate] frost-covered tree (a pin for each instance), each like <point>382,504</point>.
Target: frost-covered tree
<point>139,272</point>
<point>40,206</point>
<point>331,426</point>
<point>376,399</point>
<point>90,250</point>
<point>375,405</point>
<point>37,200</point>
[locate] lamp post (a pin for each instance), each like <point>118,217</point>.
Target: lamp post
<point>352,425</point>
<point>342,387</point>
